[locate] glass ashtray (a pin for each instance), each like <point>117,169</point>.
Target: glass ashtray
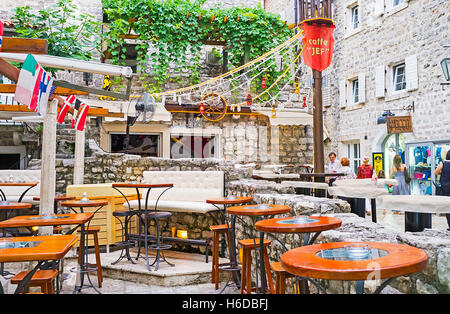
<point>297,220</point>
<point>258,207</point>
<point>357,251</point>
<point>352,252</point>
<point>230,198</point>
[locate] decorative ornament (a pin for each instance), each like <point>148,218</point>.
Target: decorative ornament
<point>274,113</point>
<point>304,102</point>
<point>214,107</point>
<point>202,108</point>
<point>264,82</point>
<point>297,88</point>
<point>249,100</point>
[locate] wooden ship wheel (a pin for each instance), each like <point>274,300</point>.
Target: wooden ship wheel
<point>213,107</point>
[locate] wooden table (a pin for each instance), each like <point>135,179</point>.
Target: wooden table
<point>259,210</point>
<point>388,261</point>
<point>58,198</point>
<point>277,177</point>
<point>84,267</point>
<point>29,184</point>
<point>144,211</point>
<point>321,175</point>
<point>11,206</point>
<point>41,249</point>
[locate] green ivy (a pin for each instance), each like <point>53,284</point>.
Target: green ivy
<point>177,30</point>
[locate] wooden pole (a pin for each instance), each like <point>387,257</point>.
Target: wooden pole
<point>318,123</point>
<point>48,172</point>
<point>78,166</point>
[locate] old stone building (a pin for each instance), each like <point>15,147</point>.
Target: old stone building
<point>387,57</point>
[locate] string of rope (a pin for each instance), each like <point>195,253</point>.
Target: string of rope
<point>232,71</point>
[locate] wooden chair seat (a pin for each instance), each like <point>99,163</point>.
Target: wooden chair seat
<point>250,243</point>
<point>41,278</point>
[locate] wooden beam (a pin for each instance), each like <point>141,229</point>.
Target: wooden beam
<point>24,45</point>
<point>11,89</point>
<point>97,112</point>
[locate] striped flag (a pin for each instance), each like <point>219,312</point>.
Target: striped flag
<point>81,118</point>
<point>65,108</point>
<point>1,35</point>
<point>34,86</point>
<point>76,107</point>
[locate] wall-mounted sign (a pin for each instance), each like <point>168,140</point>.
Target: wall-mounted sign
<point>378,162</point>
<point>399,124</point>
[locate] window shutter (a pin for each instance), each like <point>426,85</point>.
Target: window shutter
<point>412,81</point>
<point>342,94</point>
<point>379,81</point>
<point>379,8</point>
<point>362,88</point>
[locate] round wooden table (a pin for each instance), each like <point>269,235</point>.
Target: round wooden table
<point>257,210</point>
<point>29,184</point>
<point>331,261</point>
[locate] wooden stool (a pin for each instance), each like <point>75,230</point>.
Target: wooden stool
<point>217,231</point>
<point>94,231</point>
<point>280,277</point>
<point>246,279</point>
<point>41,278</point>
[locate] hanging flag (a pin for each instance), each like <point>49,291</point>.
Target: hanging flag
<point>34,85</point>
<point>1,35</point>
<point>65,108</point>
<point>318,44</point>
<point>76,107</point>
<point>81,119</point>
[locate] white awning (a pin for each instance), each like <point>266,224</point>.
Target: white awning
<point>127,108</point>
<point>71,64</point>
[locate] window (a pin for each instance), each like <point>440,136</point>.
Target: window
<point>355,91</point>
<point>399,77</point>
<point>397,2</point>
<point>354,155</point>
<point>192,146</point>
<point>146,145</point>
<point>355,19</point>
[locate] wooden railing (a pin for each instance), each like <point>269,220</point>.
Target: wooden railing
<point>314,8</point>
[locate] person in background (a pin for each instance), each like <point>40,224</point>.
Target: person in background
<point>444,171</point>
<point>345,168</point>
<point>399,172</point>
<point>365,171</point>
<point>333,167</point>
<point>381,174</point>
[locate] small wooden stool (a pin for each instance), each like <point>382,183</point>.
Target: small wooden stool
<point>280,277</point>
<point>217,231</point>
<point>246,275</point>
<point>94,231</point>
<point>41,278</point>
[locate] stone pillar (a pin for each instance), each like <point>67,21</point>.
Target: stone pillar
<point>48,172</point>
<point>78,166</point>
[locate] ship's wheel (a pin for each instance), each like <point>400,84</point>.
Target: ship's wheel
<point>213,107</point>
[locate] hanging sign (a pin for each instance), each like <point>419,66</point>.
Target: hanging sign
<point>378,162</point>
<point>318,45</point>
<point>398,124</point>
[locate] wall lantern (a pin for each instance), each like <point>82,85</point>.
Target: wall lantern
<point>384,115</point>
<point>445,64</point>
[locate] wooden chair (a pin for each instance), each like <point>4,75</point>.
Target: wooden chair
<point>94,232</point>
<point>217,231</point>
<point>280,277</point>
<point>42,278</point>
<point>246,275</point>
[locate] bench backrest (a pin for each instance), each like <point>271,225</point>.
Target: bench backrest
<point>188,185</point>
<point>13,192</point>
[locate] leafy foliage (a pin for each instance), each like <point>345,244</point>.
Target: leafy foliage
<point>177,29</point>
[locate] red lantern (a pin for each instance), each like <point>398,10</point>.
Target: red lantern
<point>202,108</point>
<point>249,100</point>
<point>264,83</point>
<point>304,102</point>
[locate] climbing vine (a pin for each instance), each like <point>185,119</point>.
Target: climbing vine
<point>169,36</point>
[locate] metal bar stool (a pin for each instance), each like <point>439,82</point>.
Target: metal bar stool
<point>125,243</point>
<point>246,275</point>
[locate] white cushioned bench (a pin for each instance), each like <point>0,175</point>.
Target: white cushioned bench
<point>190,191</point>
<point>13,193</point>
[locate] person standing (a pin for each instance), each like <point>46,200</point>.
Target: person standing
<point>365,171</point>
<point>345,168</point>
<point>333,167</point>
<point>399,172</point>
<point>444,170</point>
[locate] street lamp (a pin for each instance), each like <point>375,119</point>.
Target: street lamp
<point>445,64</point>
<point>383,118</point>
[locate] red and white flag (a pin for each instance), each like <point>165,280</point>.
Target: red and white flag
<point>1,35</point>
<point>76,107</point>
<point>65,108</point>
<point>81,118</point>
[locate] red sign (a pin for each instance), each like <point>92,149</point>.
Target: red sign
<point>318,46</point>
